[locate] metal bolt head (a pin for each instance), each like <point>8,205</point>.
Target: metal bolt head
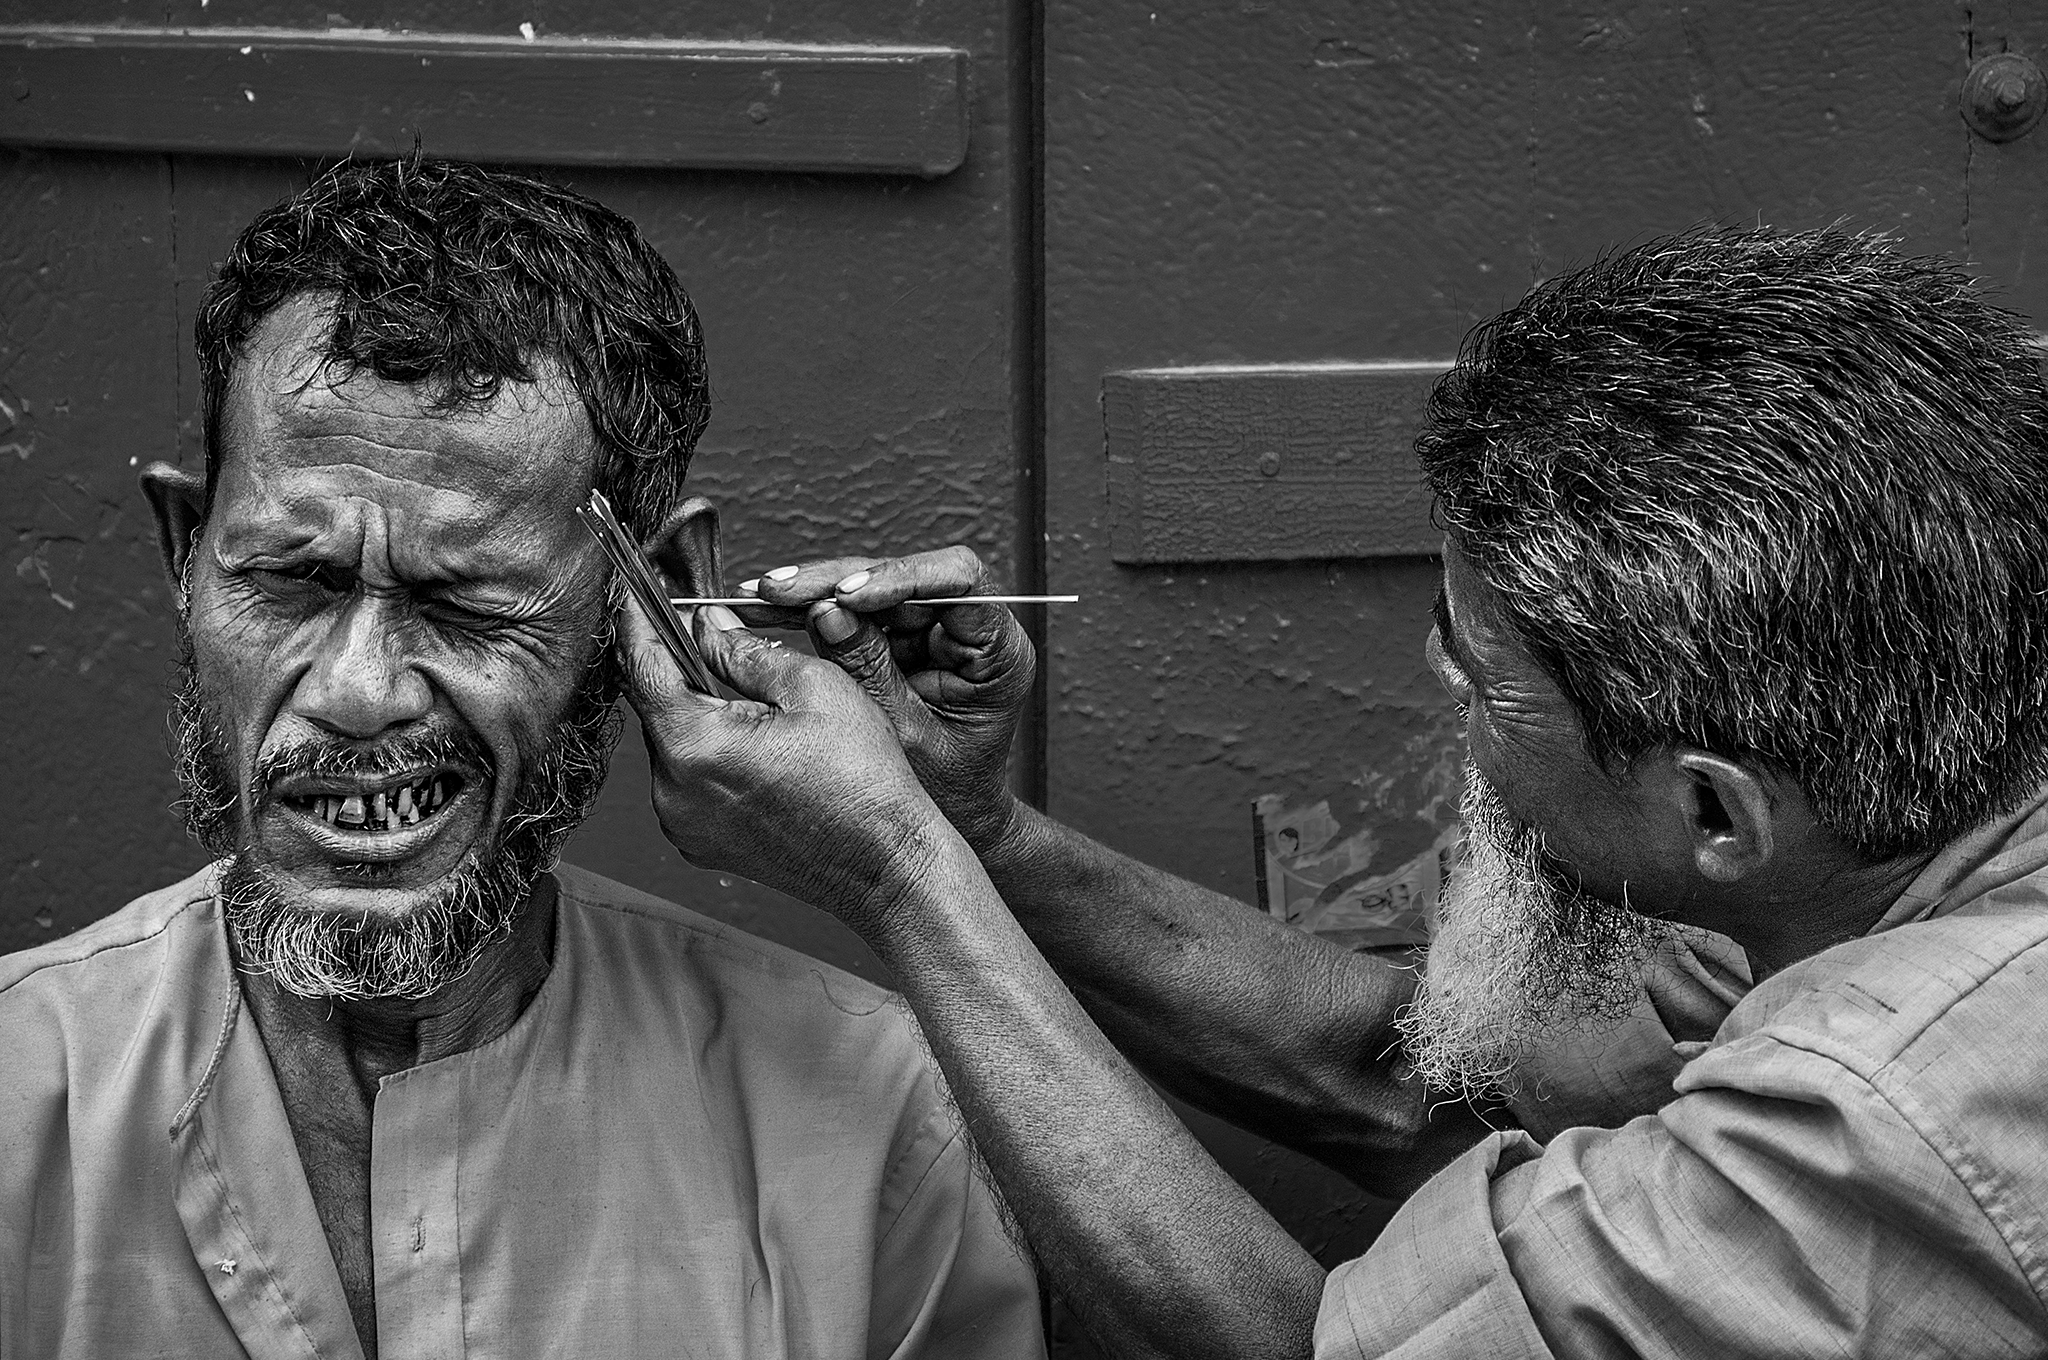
<point>2004,96</point>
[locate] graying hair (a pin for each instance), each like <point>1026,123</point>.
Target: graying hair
<point>462,278</point>
<point>1778,496</point>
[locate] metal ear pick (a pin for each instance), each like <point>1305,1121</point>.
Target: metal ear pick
<point>596,514</point>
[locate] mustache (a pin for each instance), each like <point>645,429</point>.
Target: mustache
<point>338,758</point>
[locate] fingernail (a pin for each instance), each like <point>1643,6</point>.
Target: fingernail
<point>780,573</point>
<point>853,582</point>
<point>837,625</point>
<point>723,619</point>
<point>752,587</point>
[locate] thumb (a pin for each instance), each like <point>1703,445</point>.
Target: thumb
<point>754,667</point>
<point>854,644</point>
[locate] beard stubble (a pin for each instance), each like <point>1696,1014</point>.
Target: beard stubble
<point>354,956</point>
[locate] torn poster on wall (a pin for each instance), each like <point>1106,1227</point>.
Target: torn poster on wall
<point>1316,875</point>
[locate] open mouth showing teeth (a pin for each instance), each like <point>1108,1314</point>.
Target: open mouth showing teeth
<point>385,809</point>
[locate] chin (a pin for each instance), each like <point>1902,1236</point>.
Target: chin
<point>367,901</point>
<point>380,930</point>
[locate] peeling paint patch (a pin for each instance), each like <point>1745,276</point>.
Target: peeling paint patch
<point>36,567</point>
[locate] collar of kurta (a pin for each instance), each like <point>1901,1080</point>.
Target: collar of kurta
<point>2003,850</point>
<point>248,1213</point>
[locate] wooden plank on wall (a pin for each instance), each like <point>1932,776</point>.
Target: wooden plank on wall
<point>891,110</point>
<point>1278,463</point>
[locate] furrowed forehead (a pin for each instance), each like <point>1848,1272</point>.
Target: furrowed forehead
<point>289,399</point>
<point>313,454</point>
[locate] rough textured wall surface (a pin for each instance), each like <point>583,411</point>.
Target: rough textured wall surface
<point>861,333</point>
<point>1252,182</point>
<point>1270,181</point>
<point>87,377</point>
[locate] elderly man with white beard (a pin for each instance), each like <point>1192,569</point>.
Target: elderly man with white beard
<point>384,1078</point>
<point>1745,603</point>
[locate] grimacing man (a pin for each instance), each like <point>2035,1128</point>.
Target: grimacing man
<point>378,1080</point>
<point>1745,602</point>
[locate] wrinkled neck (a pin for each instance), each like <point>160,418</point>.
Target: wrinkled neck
<point>1841,902</point>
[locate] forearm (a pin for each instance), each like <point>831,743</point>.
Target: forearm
<point>1232,1011</point>
<point>1158,1249</point>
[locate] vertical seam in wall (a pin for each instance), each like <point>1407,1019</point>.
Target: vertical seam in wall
<point>1969,137</point>
<point>1027,197</point>
<point>177,311</point>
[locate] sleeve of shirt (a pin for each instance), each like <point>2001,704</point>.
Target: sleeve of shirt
<point>950,1283</point>
<point>1786,1209</point>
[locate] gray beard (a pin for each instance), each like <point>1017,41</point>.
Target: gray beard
<point>352,956</point>
<point>1518,959</point>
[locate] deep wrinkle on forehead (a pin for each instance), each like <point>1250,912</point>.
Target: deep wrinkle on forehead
<point>337,520</point>
<point>339,468</point>
<point>1508,684</point>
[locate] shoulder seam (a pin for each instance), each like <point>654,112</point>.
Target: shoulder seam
<point>94,953</point>
<point>766,952</point>
<point>1919,1127</point>
<point>1951,1155</point>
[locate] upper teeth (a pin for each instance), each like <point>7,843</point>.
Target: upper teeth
<point>385,809</point>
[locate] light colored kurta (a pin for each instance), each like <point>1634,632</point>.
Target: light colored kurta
<point>692,1143</point>
<point>1857,1164</point>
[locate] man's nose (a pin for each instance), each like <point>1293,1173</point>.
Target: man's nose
<point>360,681</point>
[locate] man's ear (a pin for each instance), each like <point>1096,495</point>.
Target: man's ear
<point>1730,812</point>
<point>177,498</point>
<point>686,547</point>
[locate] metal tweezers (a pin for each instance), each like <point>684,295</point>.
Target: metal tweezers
<point>596,514</point>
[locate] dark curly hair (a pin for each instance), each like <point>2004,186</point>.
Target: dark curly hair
<point>1775,495</point>
<point>450,274</point>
